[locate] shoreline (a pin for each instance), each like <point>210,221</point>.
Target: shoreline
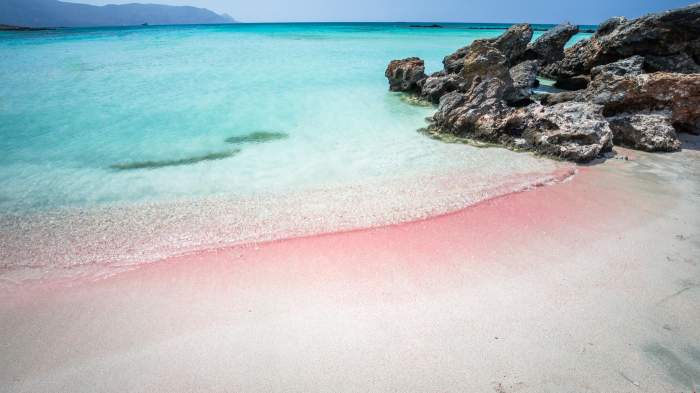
<point>81,246</point>
<point>594,282</point>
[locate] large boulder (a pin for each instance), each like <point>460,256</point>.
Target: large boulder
<point>573,131</point>
<point>671,33</point>
<point>645,131</point>
<point>549,47</point>
<point>405,75</point>
<point>512,44</point>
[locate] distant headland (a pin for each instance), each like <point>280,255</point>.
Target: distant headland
<point>27,14</point>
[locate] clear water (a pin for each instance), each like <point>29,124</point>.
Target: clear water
<point>93,118</point>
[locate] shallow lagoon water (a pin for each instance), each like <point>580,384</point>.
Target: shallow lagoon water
<point>136,118</point>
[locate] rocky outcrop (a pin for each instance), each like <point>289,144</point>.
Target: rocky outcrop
<point>671,33</point>
<point>512,45</point>
<point>404,75</point>
<point>485,91</point>
<point>549,47</point>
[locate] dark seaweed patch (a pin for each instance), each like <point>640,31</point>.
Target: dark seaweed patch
<point>257,137</point>
<point>182,161</point>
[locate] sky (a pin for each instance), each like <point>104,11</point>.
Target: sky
<point>507,11</point>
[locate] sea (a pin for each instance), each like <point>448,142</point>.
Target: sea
<point>121,146</point>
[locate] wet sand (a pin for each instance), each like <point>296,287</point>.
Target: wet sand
<point>590,285</point>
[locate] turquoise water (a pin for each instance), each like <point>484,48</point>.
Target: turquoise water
<point>75,104</point>
<point>95,118</point>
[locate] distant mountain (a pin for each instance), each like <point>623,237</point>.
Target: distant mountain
<point>54,13</point>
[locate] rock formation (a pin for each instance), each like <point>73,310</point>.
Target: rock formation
<point>636,85</point>
<point>549,47</point>
<point>669,35</point>
<point>405,74</point>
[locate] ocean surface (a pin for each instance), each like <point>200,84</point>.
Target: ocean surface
<point>125,145</point>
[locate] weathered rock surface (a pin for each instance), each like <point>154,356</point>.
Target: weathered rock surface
<point>574,131</point>
<point>549,47</point>
<point>621,87</point>
<point>645,131</point>
<point>404,75</point>
<point>439,84</point>
<point>524,76</point>
<point>671,33</point>
<point>512,44</point>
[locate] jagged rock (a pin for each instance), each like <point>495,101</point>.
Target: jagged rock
<point>645,131</point>
<point>524,76</point>
<point>663,34</point>
<point>439,84</point>
<point>404,75</point>
<point>512,44</point>
<point>549,47</point>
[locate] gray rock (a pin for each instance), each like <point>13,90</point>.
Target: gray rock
<point>663,34</point>
<point>549,47</point>
<point>645,131</point>
<point>573,131</point>
<point>480,113</point>
<point>512,44</point>
<point>524,76</point>
<point>405,75</point>
<point>437,85</point>
<point>627,67</point>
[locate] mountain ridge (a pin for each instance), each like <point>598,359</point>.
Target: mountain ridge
<point>55,13</point>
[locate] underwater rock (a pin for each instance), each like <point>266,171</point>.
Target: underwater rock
<point>257,137</point>
<point>175,162</point>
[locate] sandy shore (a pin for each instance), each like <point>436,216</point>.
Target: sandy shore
<point>591,285</point>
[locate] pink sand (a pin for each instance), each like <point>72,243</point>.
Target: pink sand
<point>587,285</point>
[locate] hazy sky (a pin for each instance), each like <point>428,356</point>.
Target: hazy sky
<point>534,11</point>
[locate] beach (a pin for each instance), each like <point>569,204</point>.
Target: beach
<point>590,284</point>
